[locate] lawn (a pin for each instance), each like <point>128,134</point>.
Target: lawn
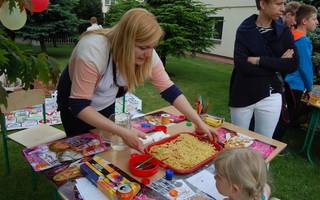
<point>292,176</point>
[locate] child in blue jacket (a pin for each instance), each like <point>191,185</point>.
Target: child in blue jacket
<point>301,80</point>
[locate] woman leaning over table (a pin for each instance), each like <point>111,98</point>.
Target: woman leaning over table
<point>108,62</point>
<point>264,49</point>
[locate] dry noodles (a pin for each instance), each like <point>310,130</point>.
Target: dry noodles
<point>184,152</point>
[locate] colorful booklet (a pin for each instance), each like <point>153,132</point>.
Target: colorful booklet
<point>66,172</point>
<point>55,153</point>
<point>32,116</point>
<point>229,139</point>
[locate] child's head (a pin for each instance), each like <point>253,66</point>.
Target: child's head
<point>271,9</point>
<point>93,20</point>
<point>241,173</point>
<point>289,14</point>
<point>307,17</point>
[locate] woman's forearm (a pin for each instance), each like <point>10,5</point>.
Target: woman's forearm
<point>182,104</point>
<point>97,120</point>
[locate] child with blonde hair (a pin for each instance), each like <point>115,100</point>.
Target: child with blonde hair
<point>241,174</point>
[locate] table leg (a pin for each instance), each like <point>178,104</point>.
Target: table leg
<point>316,120</point>
<point>311,127</point>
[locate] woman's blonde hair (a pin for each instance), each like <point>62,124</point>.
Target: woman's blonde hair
<point>137,26</point>
<point>245,168</point>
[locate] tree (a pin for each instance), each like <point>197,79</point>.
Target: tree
<point>58,21</point>
<point>117,10</point>
<point>188,24</point>
<point>15,63</point>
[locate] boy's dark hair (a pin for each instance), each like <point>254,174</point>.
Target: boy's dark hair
<point>292,7</point>
<point>258,3</point>
<point>305,12</point>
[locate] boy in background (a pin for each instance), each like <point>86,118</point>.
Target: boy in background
<point>94,24</point>
<point>302,79</point>
<point>288,19</point>
<point>289,15</point>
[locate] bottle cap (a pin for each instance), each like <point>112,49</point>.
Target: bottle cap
<point>174,193</point>
<point>145,125</point>
<point>169,174</point>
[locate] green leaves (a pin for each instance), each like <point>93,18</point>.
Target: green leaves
<point>188,24</point>
<point>15,63</point>
<point>3,95</point>
<point>117,10</point>
<point>58,21</point>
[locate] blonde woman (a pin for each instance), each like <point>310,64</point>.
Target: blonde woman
<point>108,62</point>
<point>241,174</point>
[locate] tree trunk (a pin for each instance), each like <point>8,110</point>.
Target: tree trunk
<point>43,46</point>
<point>54,41</point>
<point>163,59</point>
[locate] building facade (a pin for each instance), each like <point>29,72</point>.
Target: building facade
<point>230,14</point>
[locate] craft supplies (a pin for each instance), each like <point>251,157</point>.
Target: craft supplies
<point>165,119</point>
<point>169,174</point>
<point>113,184</point>
<point>125,192</point>
<point>143,165</point>
<point>161,128</point>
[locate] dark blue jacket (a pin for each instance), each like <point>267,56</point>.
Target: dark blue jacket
<point>251,83</point>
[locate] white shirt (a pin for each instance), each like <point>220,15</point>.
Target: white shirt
<point>94,27</point>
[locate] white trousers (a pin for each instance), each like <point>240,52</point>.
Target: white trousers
<point>266,115</point>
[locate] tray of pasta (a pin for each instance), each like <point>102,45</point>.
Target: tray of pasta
<point>184,153</point>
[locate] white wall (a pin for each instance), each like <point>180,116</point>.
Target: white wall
<point>105,7</point>
<point>234,12</point>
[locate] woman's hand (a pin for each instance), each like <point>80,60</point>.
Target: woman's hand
<point>207,130</point>
<point>253,60</point>
<point>288,54</point>
<point>132,138</point>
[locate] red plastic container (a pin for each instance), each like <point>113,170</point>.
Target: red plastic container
<point>136,159</point>
<point>161,128</point>
<point>184,171</point>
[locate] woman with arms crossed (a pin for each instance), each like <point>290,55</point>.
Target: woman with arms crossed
<point>264,49</point>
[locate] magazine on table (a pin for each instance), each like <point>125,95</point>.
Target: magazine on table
<point>45,156</point>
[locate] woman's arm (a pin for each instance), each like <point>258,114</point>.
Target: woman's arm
<point>182,104</point>
<point>287,63</point>
<point>171,93</point>
<point>84,80</point>
<point>95,119</point>
<point>241,55</point>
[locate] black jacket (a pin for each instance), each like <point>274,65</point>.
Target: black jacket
<point>251,83</point>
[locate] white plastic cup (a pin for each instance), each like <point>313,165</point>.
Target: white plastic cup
<point>124,120</point>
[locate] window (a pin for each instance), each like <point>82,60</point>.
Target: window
<point>218,27</point>
<point>109,2</point>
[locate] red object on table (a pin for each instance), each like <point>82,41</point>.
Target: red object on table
<point>184,171</point>
<point>148,169</point>
<point>161,128</point>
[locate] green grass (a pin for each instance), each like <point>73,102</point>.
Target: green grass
<point>292,176</point>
